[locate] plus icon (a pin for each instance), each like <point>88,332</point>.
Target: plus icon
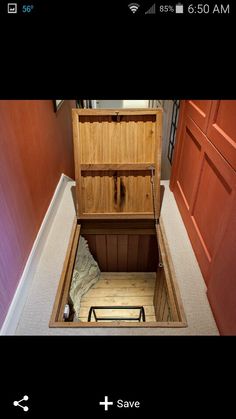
<point>106,403</point>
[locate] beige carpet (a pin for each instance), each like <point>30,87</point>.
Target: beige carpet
<point>37,310</point>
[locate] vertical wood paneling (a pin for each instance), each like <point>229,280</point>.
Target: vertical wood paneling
<point>112,252</point>
<point>143,252</point>
<point>101,251</point>
<point>131,139</point>
<point>122,253</point>
<point>133,252</point>
<point>158,293</point>
<point>35,148</point>
<point>152,255</point>
<point>100,192</point>
<point>92,243</point>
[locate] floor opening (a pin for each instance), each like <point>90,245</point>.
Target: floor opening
<point>136,274</point>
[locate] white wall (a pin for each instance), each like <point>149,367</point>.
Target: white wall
<point>135,103</point>
<point>106,104</point>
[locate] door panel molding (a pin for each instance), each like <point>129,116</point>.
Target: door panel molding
<point>223,112</point>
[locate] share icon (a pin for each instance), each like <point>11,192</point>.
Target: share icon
<point>17,403</point>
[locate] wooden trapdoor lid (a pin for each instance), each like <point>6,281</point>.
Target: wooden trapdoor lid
<point>117,162</point>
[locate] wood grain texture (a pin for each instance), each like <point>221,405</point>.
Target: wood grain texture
<point>173,294</point>
<point>65,279</point>
<point>36,147</point>
<point>124,252</point>
<point>121,289</point>
<point>158,293</point>
<point>113,155</point>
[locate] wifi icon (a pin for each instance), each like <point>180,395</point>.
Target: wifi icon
<point>133,7</point>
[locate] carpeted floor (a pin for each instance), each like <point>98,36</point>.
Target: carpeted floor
<point>37,310</point>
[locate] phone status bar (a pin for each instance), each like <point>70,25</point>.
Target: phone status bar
<point>131,9</point>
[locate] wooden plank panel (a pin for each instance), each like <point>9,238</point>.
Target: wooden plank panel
<point>110,143</point>
<point>107,140</point>
<point>157,156</point>
<point>77,156</point>
<point>137,276</point>
<point>112,252</point>
<point>149,311</point>
<point>101,249</point>
<point>156,292</point>
<point>133,192</point>
<point>127,301</point>
<point>143,253</point>
<point>152,255</point>
<point>160,296</point>
<point>173,294</point>
<point>119,231</point>
<point>138,194</point>
<point>106,226</point>
<point>66,275</point>
<point>122,252</point>
<point>133,252</point>
<point>124,314</point>
<point>117,216</point>
<point>83,113</point>
<point>167,313</point>
<point>115,166</point>
<point>100,192</point>
<point>120,292</point>
<point>125,281</point>
<point>92,244</point>
<point>132,282</point>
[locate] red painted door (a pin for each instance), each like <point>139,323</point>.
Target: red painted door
<point>199,112</point>
<point>222,285</point>
<point>204,184</point>
<point>221,129</point>
<point>204,190</point>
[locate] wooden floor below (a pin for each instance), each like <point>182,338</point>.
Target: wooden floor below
<point>121,289</point>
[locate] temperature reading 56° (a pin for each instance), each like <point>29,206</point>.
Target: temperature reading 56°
<point>27,8</point>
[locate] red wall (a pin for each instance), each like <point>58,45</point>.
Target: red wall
<point>35,148</point>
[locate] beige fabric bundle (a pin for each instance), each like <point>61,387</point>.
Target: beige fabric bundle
<point>86,273</point>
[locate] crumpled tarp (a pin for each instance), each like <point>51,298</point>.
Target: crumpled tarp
<point>86,273</point>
